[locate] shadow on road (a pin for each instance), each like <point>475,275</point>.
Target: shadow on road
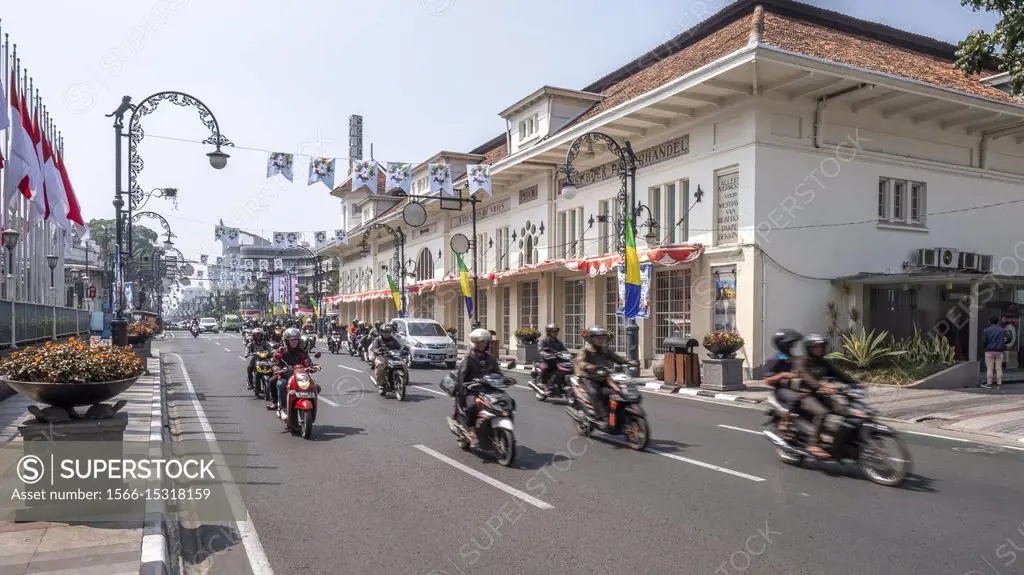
<point>528,459</point>
<point>668,445</point>
<point>913,482</point>
<point>331,432</point>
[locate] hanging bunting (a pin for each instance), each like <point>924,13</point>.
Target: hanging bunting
<point>479,176</point>
<point>341,237</point>
<point>291,239</point>
<point>399,177</point>
<point>364,174</point>
<point>228,236</point>
<point>441,179</point>
<point>249,263</point>
<point>319,239</point>
<point>220,260</point>
<point>280,163</point>
<point>264,265</point>
<point>278,239</point>
<point>278,264</point>
<point>322,170</point>
<point>235,262</point>
<point>203,259</point>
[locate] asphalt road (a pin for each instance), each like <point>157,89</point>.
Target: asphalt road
<point>383,488</point>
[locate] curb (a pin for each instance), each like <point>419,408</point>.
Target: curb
<point>669,388</point>
<point>155,558</point>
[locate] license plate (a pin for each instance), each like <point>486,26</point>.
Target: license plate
<point>437,357</point>
<point>305,394</point>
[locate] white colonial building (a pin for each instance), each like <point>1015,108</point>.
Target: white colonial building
<point>792,155</point>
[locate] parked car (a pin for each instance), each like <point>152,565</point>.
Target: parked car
<point>209,324</point>
<point>427,341</point>
<point>231,322</point>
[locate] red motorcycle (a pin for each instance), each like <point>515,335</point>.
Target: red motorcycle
<point>302,399</point>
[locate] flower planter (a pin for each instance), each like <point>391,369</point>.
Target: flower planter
<point>526,353</point>
<point>526,340</point>
<point>70,395</point>
<point>723,351</point>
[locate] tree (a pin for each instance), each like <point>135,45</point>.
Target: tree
<point>104,233</point>
<point>1002,49</point>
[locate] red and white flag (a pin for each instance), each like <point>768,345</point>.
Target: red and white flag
<point>55,199</point>
<point>23,173</point>
<point>74,209</point>
<point>39,210</point>
<point>5,122</point>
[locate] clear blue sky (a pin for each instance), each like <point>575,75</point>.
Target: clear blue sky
<point>426,75</point>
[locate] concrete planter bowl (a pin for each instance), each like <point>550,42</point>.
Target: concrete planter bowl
<point>70,395</point>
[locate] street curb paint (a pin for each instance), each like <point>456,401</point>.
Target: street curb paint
<point>716,395</point>
<point>652,385</point>
<point>155,558</point>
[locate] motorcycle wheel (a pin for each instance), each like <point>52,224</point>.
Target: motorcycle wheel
<point>257,385</point>
<point>872,456</point>
<point>540,396</point>
<point>398,381</point>
<point>504,445</point>
<point>637,432</point>
<point>788,457</point>
<point>305,424</point>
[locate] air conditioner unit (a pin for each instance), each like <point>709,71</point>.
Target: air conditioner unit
<point>984,263</point>
<point>928,258</point>
<point>969,261</point>
<point>948,258</point>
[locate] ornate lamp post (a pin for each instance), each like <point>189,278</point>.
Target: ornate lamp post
<point>399,235</point>
<point>136,196</point>
<point>627,199</point>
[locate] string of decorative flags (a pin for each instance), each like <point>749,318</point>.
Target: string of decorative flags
<point>398,175</point>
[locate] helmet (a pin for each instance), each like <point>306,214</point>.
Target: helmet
<point>785,339</point>
<point>292,335</point>
<point>355,322</point>
<point>386,330</point>
<point>479,335</point>
<point>257,333</point>
<point>551,328</point>
<point>595,332</point>
<point>812,340</point>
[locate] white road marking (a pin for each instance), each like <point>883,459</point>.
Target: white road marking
<point>240,357</point>
<point>373,379</point>
<point>434,391</point>
<point>250,539</point>
<point>487,479</point>
<point>327,401</point>
<point>227,350</point>
<point>350,368</point>
<point>702,399</point>
<point>706,465</point>
<point>740,429</point>
<point>527,388</point>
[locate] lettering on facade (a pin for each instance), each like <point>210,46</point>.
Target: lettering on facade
<point>426,230</point>
<point>485,212</point>
<point>727,204</point>
<point>655,154</point>
<point>528,195</point>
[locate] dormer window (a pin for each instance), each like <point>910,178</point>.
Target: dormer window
<point>528,128</point>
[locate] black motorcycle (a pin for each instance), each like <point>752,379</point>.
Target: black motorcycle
<point>496,411</point>
<point>353,345</point>
<point>264,372</point>
<point>334,342</point>
<point>364,349</point>
<point>558,383</point>
<point>195,330</point>
<point>396,374</point>
<point>850,434</point>
<point>624,416</point>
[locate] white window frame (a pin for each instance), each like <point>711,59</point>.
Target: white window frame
<point>668,204</point>
<point>528,128</point>
<point>604,227</point>
<point>504,249</point>
<point>574,292</point>
<point>901,202</point>
<point>570,234</point>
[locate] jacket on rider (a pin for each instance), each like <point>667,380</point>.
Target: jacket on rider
<point>590,358</point>
<point>551,345</point>
<point>384,344</point>
<point>812,370</point>
<point>475,365</point>
<point>291,357</point>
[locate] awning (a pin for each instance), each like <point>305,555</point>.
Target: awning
<point>666,256</point>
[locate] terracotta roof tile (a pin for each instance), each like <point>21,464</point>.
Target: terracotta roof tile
<point>818,41</point>
<point>346,186</point>
<point>496,154</point>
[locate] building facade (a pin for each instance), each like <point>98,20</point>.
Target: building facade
<point>803,169</point>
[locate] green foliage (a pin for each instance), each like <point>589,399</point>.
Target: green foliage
<point>1002,48</point>
<point>866,349</point>
<point>928,354</point>
<point>906,361</point>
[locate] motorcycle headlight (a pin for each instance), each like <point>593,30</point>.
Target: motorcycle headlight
<point>303,381</point>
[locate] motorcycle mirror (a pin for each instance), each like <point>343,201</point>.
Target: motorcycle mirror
<point>317,355</point>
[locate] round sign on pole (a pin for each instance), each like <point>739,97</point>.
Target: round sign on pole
<point>414,214</point>
<point>459,243</point>
<point>187,269</point>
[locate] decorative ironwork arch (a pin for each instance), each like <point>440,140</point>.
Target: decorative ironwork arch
<point>163,222</point>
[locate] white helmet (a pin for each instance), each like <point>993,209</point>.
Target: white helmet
<point>478,335</point>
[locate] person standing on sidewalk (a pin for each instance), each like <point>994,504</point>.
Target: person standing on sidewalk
<point>995,342</point>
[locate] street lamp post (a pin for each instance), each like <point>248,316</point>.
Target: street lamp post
<point>399,236</point>
<point>218,160</point>
<point>10,241</point>
<point>627,199</point>
<point>51,261</point>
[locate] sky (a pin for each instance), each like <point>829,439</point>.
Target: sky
<point>426,75</point>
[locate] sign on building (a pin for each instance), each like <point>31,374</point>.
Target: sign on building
<point>727,215</point>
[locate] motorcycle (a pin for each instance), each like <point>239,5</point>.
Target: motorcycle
<point>195,330</point>
<point>396,374</point>
<point>353,344</point>
<point>558,383</point>
<point>264,371</point>
<point>854,436</point>
<point>302,400</point>
<point>334,342</point>
<point>246,336</point>
<point>495,413</point>
<point>308,342</point>
<point>364,349</point>
<point>625,415</point>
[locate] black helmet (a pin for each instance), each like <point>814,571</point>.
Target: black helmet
<point>596,331</point>
<point>386,330</point>
<point>812,340</point>
<point>785,339</point>
<point>551,328</point>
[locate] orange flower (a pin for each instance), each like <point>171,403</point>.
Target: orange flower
<point>39,358</point>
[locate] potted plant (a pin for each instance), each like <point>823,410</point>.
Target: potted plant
<point>140,336</point>
<point>69,374</point>
<point>451,330</point>
<point>722,344</point>
<point>527,335</point>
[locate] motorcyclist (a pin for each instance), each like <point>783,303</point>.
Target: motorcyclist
<point>290,356</point>
<point>594,356</point>
<point>779,372</point>
<point>257,344</point>
<point>476,364</point>
<point>812,369</point>
<point>353,328</point>
<point>550,347</point>
<point>383,344</point>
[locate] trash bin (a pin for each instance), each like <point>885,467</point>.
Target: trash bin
<point>682,367</point>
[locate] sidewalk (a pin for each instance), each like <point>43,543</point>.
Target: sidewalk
<point>81,548</point>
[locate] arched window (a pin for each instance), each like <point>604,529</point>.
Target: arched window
<point>529,251</point>
<point>425,265</point>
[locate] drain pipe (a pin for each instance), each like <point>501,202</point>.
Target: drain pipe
<point>819,108</point>
<point>988,135</point>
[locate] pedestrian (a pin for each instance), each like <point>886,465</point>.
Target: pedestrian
<point>995,337</point>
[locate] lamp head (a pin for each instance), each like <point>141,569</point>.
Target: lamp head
<point>10,238</point>
<point>51,260</point>
<point>218,159</point>
<point>568,191</point>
